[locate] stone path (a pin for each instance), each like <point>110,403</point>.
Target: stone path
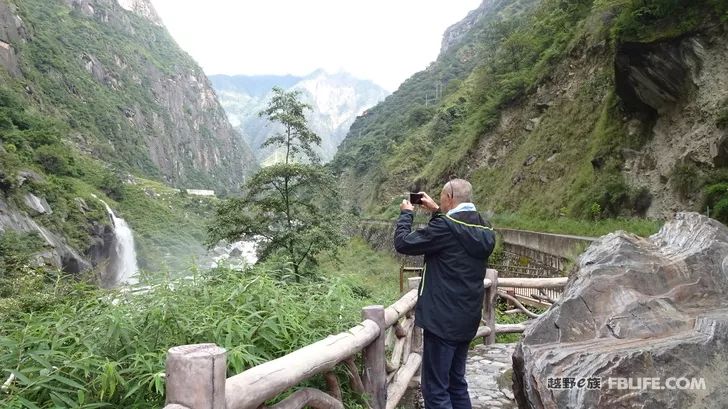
<point>488,382</point>
<point>488,371</point>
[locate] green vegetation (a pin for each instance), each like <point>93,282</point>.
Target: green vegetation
<point>35,159</point>
<point>293,206</point>
<point>91,348</point>
<point>722,121</point>
<point>64,42</point>
<point>371,274</point>
<point>685,178</point>
<point>168,224</point>
<point>715,194</point>
<point>564,225</point>
<point>70,344</point>
<point>15,252</point>
<point>660,19</point>
<point>539,132</point>
<point>502,318</point>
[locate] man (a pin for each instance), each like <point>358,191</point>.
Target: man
<point>456,244</point>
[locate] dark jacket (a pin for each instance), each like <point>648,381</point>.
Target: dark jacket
<point>456,250</point>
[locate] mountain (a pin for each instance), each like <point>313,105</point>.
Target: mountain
<point>336,100</point>
<point>132,97</point>
<point>587,109</point>
<point>96,99</point>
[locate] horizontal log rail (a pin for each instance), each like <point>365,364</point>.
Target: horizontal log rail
<point>253,387</point>
<point>196,376</point>
<point>545,282</point>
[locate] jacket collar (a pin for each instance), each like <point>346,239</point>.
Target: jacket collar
<point>462,207</point>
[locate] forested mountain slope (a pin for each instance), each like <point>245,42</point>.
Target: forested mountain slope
<point>96,97</point>
<point>128,93</point>
<point>589,109</point>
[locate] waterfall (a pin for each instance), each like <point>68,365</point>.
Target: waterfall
<point>122,267</point>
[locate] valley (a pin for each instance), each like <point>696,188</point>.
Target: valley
<point>146,203</point>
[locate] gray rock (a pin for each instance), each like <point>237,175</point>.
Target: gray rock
<point>530,160</point>
<point>651,77</point>
<point>236,252</point>
<point>57,253</point>
<point>27,175</point>
<point>81,205</point>
<point>37,205</point>
<point>719,150</point>
<point>543,105</point>
<point>532,124</point>
<point>635,308</point>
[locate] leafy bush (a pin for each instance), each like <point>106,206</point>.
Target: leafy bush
<point>641,201</point>
<point>16,250</point>
<point>685,178</point>
<point>54,159</point>
<point>658,19</point>
<point>716,198</point>
<point>112,186</point>
<point>722,121</point>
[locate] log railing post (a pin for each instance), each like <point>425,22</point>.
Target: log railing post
<point>489,305</point>
<point>195,376</point>
<point>375,371</point>
<point>414,284</point>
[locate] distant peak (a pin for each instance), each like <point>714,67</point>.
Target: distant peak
<point>457,31</point>
<point>319,72</point>
<point>143,8</point>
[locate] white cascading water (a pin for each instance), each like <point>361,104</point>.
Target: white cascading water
<point>123,269</point>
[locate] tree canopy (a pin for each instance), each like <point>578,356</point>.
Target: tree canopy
<point>290,208</point>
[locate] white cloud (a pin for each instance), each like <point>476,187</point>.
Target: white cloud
<point>383,40</point>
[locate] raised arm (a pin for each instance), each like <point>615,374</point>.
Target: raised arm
<point>431,239</point>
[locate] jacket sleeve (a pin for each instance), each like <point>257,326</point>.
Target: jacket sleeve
<point>431,239</point>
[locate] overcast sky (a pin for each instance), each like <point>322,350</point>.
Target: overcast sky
<point>385,41</point>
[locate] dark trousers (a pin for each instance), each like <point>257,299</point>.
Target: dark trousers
<point>443,373</point>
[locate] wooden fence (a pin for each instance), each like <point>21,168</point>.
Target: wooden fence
<point>387,339</point>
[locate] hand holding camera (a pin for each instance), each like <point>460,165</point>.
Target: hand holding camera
<point>422,199</point>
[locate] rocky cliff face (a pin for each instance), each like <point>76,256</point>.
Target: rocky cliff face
<point>680,86</point>
<point>113,73</point>
<point>590,111</point>
<point>336,100</point>
<point>91,93</point>
<point>143,8</point>
<point>455,33</point>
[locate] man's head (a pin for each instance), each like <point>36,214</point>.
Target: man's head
<point>455,192</point>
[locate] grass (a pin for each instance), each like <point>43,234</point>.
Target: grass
<point>373,274</point>
<point>70,344</point>
<point>563,225</point>
<point>476,129</point>
<point>92,348</point>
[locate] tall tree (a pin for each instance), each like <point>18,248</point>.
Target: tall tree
<point>291,208</point>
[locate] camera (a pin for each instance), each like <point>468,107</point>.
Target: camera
<point>415,198</point>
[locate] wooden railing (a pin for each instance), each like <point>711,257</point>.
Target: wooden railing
<point>391,353</point>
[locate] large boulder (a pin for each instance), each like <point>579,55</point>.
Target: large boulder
<point>635,308</point>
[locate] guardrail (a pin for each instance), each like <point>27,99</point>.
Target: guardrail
<point>196,374</point>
